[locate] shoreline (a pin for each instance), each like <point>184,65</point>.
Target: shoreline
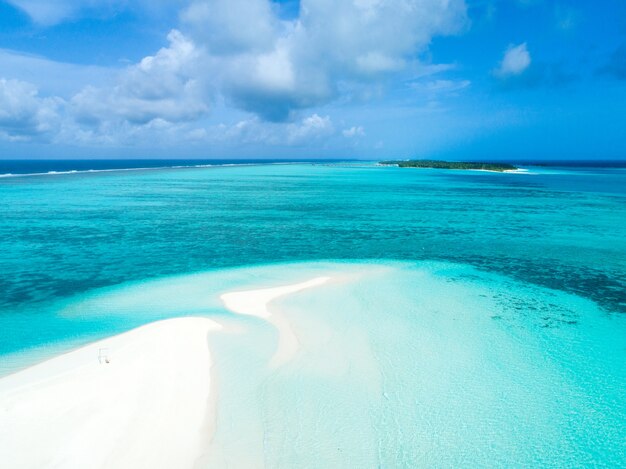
<point>510,171</point>
<point>204,165</point>
<point>257,303</point>
<point>112,402</point>
<point>281,387</point>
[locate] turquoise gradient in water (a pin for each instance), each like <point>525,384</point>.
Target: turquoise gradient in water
<point>64,235</point>
<point>401,364</point>
<point>483,324</point>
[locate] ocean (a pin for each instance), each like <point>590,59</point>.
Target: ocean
<point>483,322</point>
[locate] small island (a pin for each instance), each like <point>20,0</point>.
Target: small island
<point>436,164</point>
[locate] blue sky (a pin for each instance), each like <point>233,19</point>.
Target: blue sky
<point>491,79</point>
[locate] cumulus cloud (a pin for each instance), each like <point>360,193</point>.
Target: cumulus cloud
<point>254,130</point>
<point>166,86</point>
<point>232,26</point>
<point>147,102</point>
<point>246,54</point>
<point>273,67</point>
<point>24,115</point>
<point>515,62</point>
<point>312,127</point>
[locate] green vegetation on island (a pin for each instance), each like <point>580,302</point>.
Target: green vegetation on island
<point>500,167</point>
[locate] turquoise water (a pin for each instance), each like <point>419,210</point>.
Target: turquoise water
<point>483,324</point>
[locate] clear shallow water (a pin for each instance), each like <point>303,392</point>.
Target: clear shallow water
<point>64,235</point>
<point>499,340</point>
<point>401,364</point>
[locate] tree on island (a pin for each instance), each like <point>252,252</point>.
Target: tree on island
<point>436,164</point>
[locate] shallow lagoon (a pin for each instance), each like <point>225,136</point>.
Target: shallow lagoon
<point>400,364</point>
<point>497,339</point>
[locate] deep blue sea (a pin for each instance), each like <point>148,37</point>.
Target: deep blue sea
<point>487,326</point>
<point>11,168</point>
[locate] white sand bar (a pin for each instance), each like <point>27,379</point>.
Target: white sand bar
<point>149,406</point>
<point>256,303</point>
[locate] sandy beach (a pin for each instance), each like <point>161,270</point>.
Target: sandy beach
<point>256,303</point>
<point>339,363</point>
<point>140,399</point>
<point>149,406</point>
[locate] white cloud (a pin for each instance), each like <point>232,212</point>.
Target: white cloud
<point>236,51</point>
<point>255,131</point>
<point>311,128</point>
<point>149,102</point>
<point>273,67</point>
<point>376,62</point>
<point>353,132</point>
<point>24,115</point>
<point>232,26</point>
<point>166,86</point>
<point>516,60</point>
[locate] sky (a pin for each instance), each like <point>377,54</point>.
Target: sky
<point>455,79</point>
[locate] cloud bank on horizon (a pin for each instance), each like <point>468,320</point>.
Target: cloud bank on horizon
<point>309,78</point>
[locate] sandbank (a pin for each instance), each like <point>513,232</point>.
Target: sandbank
<point>257,303</point>
<point>139,399</point>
